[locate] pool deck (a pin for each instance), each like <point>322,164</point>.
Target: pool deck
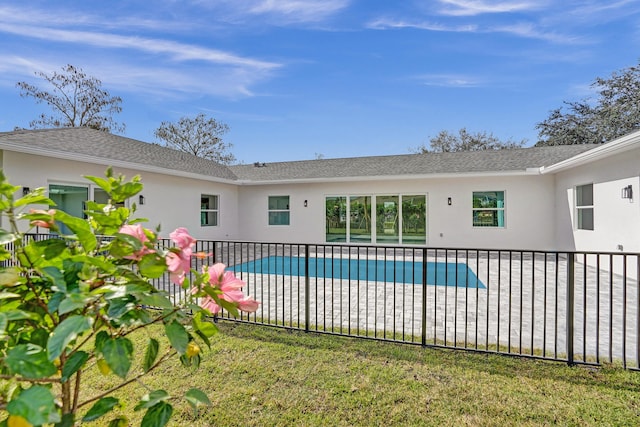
<point>523,308</point>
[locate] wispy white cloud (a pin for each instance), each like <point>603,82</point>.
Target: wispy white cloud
<point>585,8</point>
<point>299,10</point>
<point>278,12</point>
<point>532,31</point>
<point>176,51</point>
<point>66,19</point>
<point>477,7</point>
<point>384,24</point>
<point>524,30</point>
<point>450,80</point>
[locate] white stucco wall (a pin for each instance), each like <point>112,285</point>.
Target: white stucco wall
<point>529,210</point>
<point>616,220</point>
<point>169,201</point>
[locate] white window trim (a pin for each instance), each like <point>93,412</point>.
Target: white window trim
<point>269,210</point>
<point>217,211</point>
<point>584,207</point>
<point>503,209</point>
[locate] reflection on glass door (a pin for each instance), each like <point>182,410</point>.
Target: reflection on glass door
<point>360,219</point>
<point>414,220</point>
<point>387,230</point>
<point>336,219</point>
<point>70,199</point>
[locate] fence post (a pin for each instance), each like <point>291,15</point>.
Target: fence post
<point>571,278</point>
<point>424,297</point>
<point>307,298</point>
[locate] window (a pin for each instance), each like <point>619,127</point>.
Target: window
<point>336,219</point>
<point>385,219</point>
<point>70,199</point>
<point>101,196</point>
<point>360,219</point>
<point>208,210</point>
<point>278,210</point>
<point>584,207</point>
<point>488,208</point>
<point>414,219</point>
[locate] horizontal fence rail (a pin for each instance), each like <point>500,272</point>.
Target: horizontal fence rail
<point>574,307</point>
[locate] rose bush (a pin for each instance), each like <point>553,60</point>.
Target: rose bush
<point>68,304</point>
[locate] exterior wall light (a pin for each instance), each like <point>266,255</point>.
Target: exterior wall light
<point>25,191</point>
<point>449,201</point>
<point>305,204</point>
<point>141,199</point>
<point>627,192</point>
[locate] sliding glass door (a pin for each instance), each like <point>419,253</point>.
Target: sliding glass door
<point>398,219</point>
<point>70,199</point>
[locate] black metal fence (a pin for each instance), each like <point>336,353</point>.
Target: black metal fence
<point>574,307</point>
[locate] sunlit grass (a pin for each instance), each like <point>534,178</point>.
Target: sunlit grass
<point>262,376</point>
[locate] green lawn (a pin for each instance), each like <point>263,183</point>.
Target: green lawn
<point>260,376</point>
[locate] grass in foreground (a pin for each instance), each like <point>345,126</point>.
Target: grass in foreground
<point>260,376</point>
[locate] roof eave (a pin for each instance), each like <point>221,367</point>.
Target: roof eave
<point>65,155</point>
<point>526,172</point>
<point>617,146</point>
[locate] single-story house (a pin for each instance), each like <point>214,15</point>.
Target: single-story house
<point>579,197</point>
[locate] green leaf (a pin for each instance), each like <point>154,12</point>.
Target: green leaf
<point>9,277</point>
<point>30,361</point>
<point>118,307</point>
<point>36,197</point>
<point>13,315</point>
<point>130,240</point>
<point>80,228</point>
<point>4,321</point>
<point>73,364</point>
<point>67,331</point>
<point>156,301</point>
<point>151,354</point>
<point>100,182</point>
<point>152,266</point>
<point>56,276</point>
<point>157,416</point>
<point>36,405</point>
<point>118,354</point>
<point>55,300</point>
<point>8,295</point>
<point>68,420</point>
<point>101,338</point>
<point>208,328</point>
<point>6,237</point>
<point>120,421</point>
<point>151,399</point>
<point>100,408</point>
<point>52,247</point>
<point>196,397</point>
<point>178,336</point>
<point>72,302</point>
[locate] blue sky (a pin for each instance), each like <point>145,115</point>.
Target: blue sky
<point>295,79</point>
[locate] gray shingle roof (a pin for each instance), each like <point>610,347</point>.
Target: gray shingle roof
<point>95,143</point>
<point>515,160</point>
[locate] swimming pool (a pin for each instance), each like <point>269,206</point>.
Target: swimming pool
<point>438,273</point>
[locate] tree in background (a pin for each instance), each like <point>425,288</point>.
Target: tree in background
<point>614,113</point>
<point>200,136</point>
<point>77,100</point>
<point>446,142</point>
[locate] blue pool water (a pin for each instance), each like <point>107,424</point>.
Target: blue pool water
<point>438,273</point>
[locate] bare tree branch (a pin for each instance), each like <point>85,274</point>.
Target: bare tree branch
<point>200,136</point>
<point>76,100</point>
